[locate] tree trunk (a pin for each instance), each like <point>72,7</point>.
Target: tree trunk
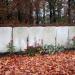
<point>19,16</point>
<point>44,13</point>
<point>54,15</point>
<point>50,9</point>
<point>12,37</point>
<point>31,14</point>
<point>69,11</point>
<point>37,17</point>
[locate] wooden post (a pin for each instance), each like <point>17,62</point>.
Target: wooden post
<point>68,40</point>
<point>12,37</point>
<point>35,42</point>
<point>42,42</point>
<point>56,38</point>
<point>27,41</point>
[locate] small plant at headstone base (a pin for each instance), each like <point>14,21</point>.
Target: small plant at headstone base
<point>32,51</point>
<point>49,49</point>
<point>10,48</point>
<point>73,40</point>
<point>39,49</point>
<point>59,48</point>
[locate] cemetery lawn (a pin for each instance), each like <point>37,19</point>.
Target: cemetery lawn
<point>62,63</point>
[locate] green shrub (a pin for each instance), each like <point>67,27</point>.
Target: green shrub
<point>49,49</point>
<point>59,48</point>
<point>31,51</point>
<point>10,48</point>
<point>73,40</point>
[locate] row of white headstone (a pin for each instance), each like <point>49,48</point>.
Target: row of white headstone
<point>49,35</point>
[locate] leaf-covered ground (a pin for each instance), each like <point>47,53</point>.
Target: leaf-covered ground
<point>59,64</point>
